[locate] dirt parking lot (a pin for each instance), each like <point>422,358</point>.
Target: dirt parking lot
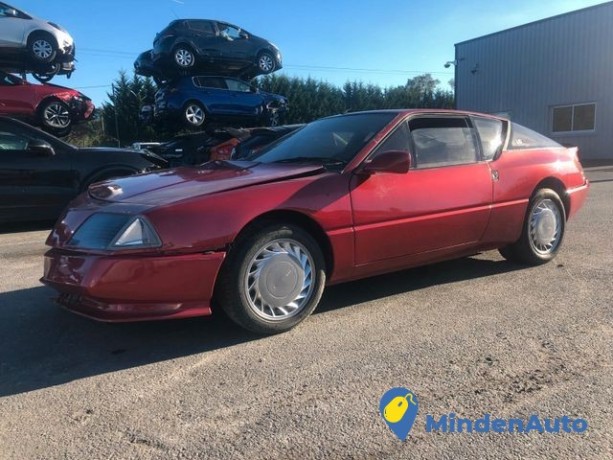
<point>473,336</point>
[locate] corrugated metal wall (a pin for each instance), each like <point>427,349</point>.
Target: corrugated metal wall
<point>527,70</point>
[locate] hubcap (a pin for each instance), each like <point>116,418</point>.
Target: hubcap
<point>545,226</point>
<point>194,115</point>
<point>184,57</point>
<point>266,63</point>
<point>279,280</point>
<point>56,115</point>
<point>42,49</point>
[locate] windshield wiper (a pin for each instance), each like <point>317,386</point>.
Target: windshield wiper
<point>326,161</point>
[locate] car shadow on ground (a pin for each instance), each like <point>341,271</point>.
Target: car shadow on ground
<point>42,345</point>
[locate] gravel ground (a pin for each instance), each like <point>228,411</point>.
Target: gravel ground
<point>473,336</point>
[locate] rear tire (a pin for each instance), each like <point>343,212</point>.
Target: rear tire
<point>183,57</point>
<point>272,279</point>
<point>47,74</point>
<point>194,114</point>
<point>542,232</point>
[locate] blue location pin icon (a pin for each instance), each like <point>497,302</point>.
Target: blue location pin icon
<point>398,408</point>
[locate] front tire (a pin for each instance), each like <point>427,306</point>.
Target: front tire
<point>266,62</point>
<point>272,279</point>
<point>55,116</point>
<point>273,119</point>
<point>42,48</point>
<point>542,232</point>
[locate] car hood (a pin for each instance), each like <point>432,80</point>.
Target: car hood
<point>178,184</point>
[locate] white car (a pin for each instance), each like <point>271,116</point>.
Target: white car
<point>44,42</point>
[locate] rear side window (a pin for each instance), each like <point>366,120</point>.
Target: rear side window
<point>524,138</point>
<point>10,141</point>
<point>202,27</point>
<point>491,132</point>
<point>236,85</point>
<point>210,82</point>
<point>8,80</point>
<point>442,142</point>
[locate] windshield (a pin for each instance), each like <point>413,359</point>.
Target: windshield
<point>333,140</point>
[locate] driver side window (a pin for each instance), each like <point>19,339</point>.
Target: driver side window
<point>11,141</point>
<point>398,140</point>
<point>6,79</point>
<point>235,85</point>
<point>443,141</point>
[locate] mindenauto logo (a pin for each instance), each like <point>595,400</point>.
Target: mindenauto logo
<point>399,407</point>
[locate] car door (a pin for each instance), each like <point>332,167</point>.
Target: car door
<point>12,27</point>
<point>213,92</point>
<point>203,35</point>
<point>35,183</point>
<point>243,99</point>
<point>16,96</point>
<point>236,49</point>
<point>441,204</point>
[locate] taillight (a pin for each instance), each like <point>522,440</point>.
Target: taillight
<point>224,151</point>
<point>574,153</point>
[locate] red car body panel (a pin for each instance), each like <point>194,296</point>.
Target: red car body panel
<point>99,285</point>
<point>24,100</point>
<point>367,224</point>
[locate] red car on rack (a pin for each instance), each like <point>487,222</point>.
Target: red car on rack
<point>54,108</point>
<point>341,199</point>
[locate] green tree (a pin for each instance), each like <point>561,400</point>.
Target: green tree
<point>309,99</point>
<point>121,116</point>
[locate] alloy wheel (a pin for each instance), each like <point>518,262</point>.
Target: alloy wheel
<point>56,115</point>
<point>194,115</point>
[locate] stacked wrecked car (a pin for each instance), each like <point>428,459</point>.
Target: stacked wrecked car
<point>31,45</point>
<point>204,70</point>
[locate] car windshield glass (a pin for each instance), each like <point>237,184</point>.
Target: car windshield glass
<point>334,140</point>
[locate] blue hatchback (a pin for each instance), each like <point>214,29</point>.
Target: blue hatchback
<point>198,99</point>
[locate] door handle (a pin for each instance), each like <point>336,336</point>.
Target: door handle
<point>495,174</point>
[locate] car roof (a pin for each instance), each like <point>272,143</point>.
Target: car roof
<point>426,112</point>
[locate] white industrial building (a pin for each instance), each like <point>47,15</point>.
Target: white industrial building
<point>554,76</point>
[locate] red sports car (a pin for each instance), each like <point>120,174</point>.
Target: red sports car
<point>343,198</point>
<point>52,107</point>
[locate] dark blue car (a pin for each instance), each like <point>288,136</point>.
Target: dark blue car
<point>198,99</point>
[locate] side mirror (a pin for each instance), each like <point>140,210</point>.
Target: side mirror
<point>243,35</point>
<point>391,161</point>
<point>253,89</point>
<point>40,148</point>
<point>11,12</point>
